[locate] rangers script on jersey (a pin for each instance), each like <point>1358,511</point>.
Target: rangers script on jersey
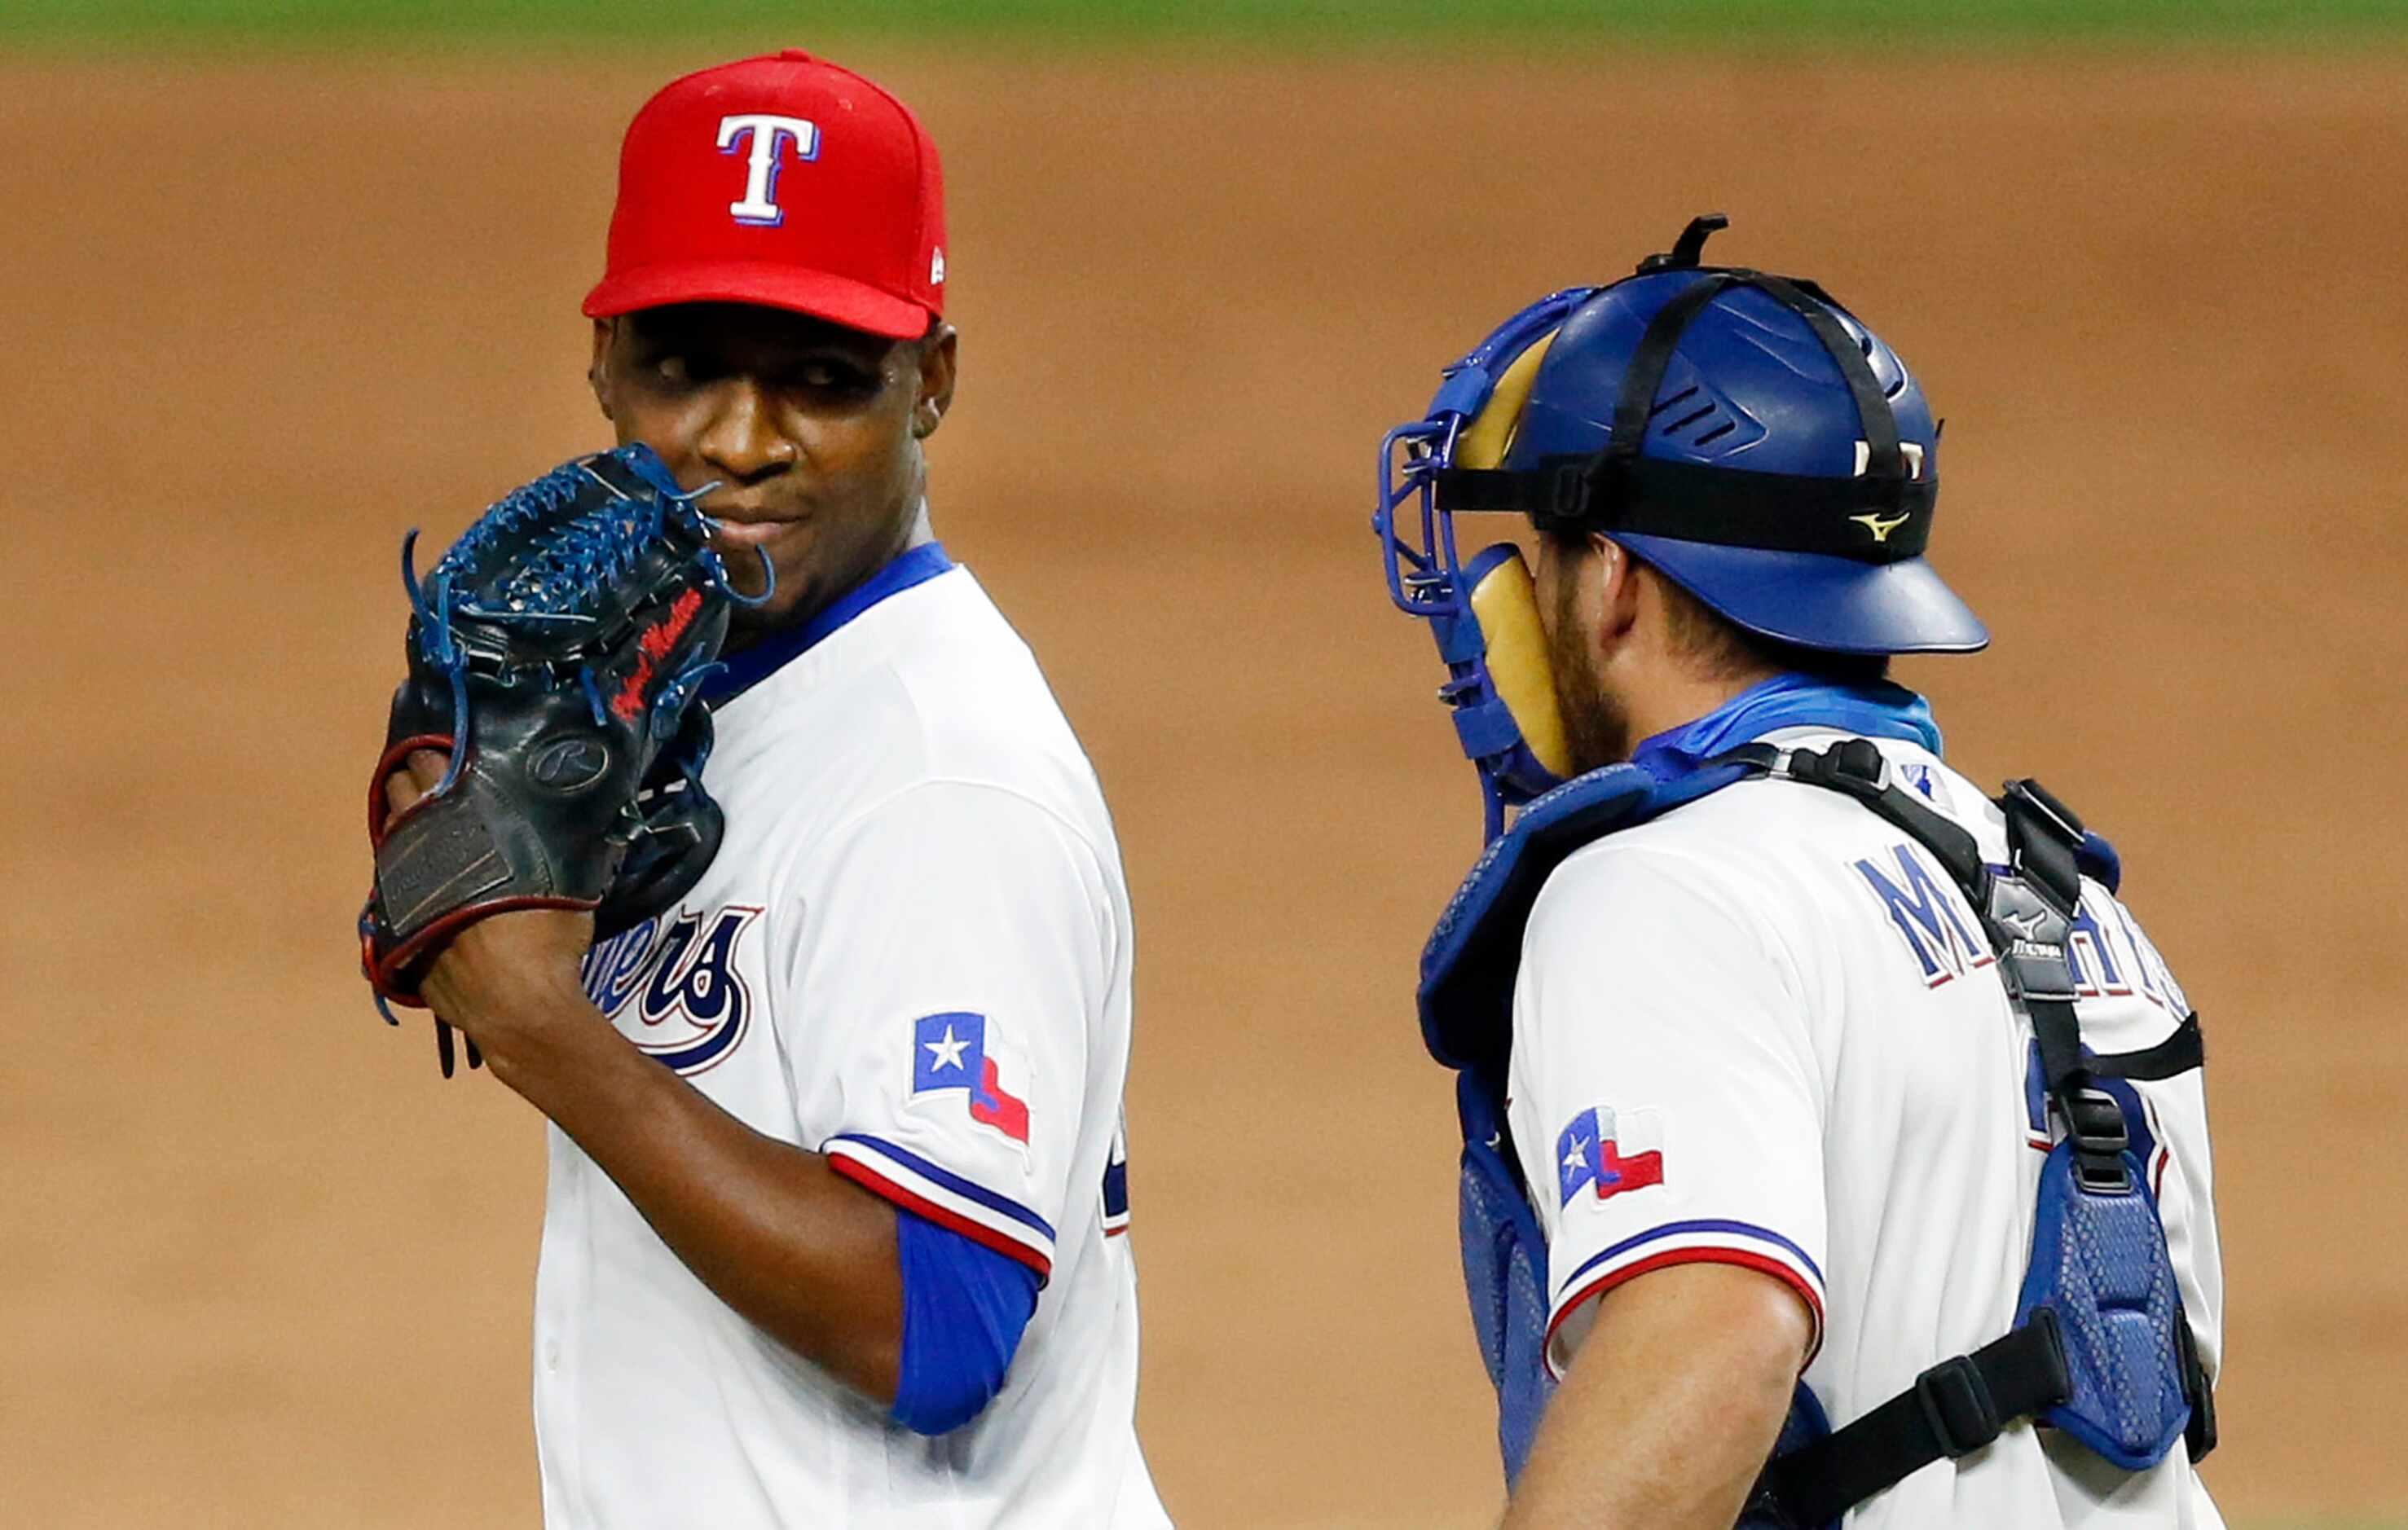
<point>1763,1029</point>
<point>913,954</point>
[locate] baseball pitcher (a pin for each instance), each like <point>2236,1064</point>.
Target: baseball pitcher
<point>1835,1149</point>
<point>738,832</point>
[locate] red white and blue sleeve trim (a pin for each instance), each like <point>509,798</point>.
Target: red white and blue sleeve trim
<point>1702,1241</point>
<point>944,1198</point>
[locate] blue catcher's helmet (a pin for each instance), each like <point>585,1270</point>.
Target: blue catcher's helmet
<point>1821,553</point>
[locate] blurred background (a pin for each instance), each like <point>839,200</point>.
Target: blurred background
<point>283,278</point>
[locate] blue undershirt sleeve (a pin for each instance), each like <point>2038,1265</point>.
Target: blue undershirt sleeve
<point>965,1307</point>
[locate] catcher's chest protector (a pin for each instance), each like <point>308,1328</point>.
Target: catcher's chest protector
<point>2101,1348</point>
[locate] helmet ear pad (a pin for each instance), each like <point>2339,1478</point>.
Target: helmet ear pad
<point>1502,599</point>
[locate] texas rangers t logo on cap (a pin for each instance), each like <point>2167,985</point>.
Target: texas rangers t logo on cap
<point>948,1052</point>
<point>1593,1151</point>
<point>765,134</point>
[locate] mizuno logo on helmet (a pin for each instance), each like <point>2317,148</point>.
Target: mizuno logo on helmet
<point>1880,528</point>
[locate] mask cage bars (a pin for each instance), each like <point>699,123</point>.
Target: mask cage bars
<point>1425,573</point>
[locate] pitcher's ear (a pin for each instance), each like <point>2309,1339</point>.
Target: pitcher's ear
<point>939,365</point>
<point>597,369</point>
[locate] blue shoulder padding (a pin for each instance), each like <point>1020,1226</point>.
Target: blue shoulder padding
<point>965,1307</point>
<point>1505,1275</point>
<point>1471,962</point>
<point>2100,1265</point>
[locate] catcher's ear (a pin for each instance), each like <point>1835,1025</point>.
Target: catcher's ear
<point>597,371</point>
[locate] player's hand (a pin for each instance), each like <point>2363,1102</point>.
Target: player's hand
<point>508,979</point>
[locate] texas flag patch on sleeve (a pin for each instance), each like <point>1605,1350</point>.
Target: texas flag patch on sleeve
<point>1609,1151</point>
<point>949,1053</point>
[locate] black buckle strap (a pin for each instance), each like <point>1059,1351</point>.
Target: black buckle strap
<point>1856,767</point>
<point>2030,922</point>
<point>2043,834</point>
<point>2178,1053</point>
<point>2094,1123</point>
<point>1955,1408</point>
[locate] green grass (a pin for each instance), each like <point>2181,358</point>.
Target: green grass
<point>1820,24</point>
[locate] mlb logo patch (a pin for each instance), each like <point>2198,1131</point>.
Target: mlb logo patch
<point>949,1053</point>
<point>1613,1151</point>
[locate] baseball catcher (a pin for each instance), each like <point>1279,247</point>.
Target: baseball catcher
<point>1834,1145</point>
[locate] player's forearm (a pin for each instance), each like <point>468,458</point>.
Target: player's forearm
<point>798,1250</point>
<point>1670,1407</point>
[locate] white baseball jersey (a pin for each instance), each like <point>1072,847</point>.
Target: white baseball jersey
<point>1763,1029</point>
<point>912,954</point>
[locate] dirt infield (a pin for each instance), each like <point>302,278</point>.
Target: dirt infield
<point>265,1269</point>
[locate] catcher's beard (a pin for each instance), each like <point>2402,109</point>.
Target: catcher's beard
<point>1597,727</point>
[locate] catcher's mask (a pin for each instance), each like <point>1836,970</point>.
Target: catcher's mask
<point>1739,432</point>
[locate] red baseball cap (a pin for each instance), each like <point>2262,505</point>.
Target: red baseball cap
<point>782,180</point>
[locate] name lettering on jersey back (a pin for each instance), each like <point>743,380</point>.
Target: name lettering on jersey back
<point>2109,957</point>
<point>2087,948</point>
<point>691,1003</point>
<point>1924,915</point>
<point>2112,959</point>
